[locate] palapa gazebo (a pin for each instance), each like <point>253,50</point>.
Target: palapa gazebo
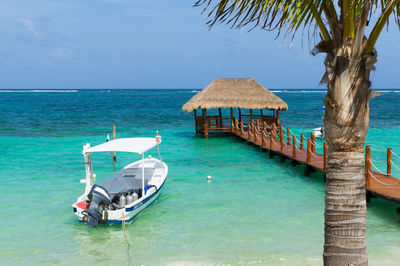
<point>241,93</point>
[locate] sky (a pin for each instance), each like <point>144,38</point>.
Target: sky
<point>77,44</point>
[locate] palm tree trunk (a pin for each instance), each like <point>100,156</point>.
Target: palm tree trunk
<point>345,209</point>
<point>346,125</point>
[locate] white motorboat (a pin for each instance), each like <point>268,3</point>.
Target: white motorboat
<point>318,132</point>
<point>134,188</point>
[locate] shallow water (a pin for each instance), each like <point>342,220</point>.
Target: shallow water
<point>255,210</point>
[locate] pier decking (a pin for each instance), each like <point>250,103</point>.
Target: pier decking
<point>273,139</point>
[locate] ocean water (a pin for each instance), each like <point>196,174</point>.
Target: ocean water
<point>256,210</point>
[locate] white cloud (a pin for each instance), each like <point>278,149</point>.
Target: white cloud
<point>28,24</point>
<point>64,53</point>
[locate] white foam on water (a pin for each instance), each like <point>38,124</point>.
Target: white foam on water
<point>38,91</point>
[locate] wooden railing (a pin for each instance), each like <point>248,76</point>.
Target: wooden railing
<point>371,169</point>
<point>378,182</point>
<point>269,120</point>
<point>272,137</point>
<point>218,122</point>
<point>213,124</point>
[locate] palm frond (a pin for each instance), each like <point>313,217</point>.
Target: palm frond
<point>280,15</point>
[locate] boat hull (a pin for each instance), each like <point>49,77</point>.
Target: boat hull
<point>128,213</point>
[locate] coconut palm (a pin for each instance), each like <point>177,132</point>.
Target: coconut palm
<point>350,56</point>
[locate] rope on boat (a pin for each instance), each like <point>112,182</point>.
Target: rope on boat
<point>381,181</point>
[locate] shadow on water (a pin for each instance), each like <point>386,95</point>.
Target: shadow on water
<point>384,209</point>
<point>113,240</point>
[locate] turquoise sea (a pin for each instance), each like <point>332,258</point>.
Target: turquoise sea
<point>255,210</point>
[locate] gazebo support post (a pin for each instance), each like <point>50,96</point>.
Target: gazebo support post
<point>240,115</point>
<point>261,113</point>
<point>205,124</point>
<point>277,117</point>
<point>220,118</point>
<point>195,120</point>
<point>251,115</point>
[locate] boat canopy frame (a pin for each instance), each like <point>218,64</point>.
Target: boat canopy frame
<point>134,145</point>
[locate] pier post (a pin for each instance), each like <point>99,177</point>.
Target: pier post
<point>195,120</point>
<point>240,115</point>
<point>258,131</point>
<point>294,150</point>
<point>232,125</point>
<point>250,129</point>
<point>236,127</point>
<point>288,135</point>
<point>251,114</point>
<point>241,129</point>
<point>302,141</point>
<point>255,133</point>
<point>220,118</point>
<point>271,141</point>
<point>307,169</point>
<point>314,144</point>
<point>277,117</point>
<point>308,159</point>
<point>281,138</point>
<point>114,136</point>
<point>389,161</point>
<point>271,137</point>
<point>114,132</point>
<point>325,156</point>
<point>262,138</point>
<point>367,166</point>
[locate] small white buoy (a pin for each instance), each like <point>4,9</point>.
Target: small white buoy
<point>209,177</point>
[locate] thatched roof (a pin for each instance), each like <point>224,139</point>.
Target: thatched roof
<point>235,92</point>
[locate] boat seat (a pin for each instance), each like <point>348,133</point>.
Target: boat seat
<point>127,180</point>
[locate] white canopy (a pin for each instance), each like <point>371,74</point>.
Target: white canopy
<point>137,145</point>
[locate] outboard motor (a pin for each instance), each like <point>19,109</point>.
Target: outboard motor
<point>98,195</point>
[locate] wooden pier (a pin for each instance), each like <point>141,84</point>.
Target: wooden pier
<point>283,143</point>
